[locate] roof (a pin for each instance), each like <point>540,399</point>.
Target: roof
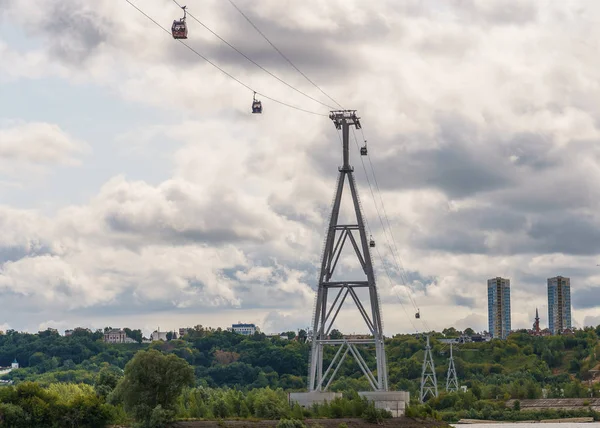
<point>243,325</point>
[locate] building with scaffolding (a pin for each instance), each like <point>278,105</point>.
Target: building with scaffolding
<point>499,307</point>
<point>559,304</point>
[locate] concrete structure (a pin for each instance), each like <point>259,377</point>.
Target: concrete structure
<point>392,401</point>
<point>307,399</point>
<point>499,307</point>
<point>559,304</point>
<point>158,335</point>
<point>245,329</point>
<point>15,364</point>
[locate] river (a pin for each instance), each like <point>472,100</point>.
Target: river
<point>529,425</point>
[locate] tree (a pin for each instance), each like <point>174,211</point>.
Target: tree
<point>153,379</point>
<point>469,331</point>
<point>302,335</point>
<point>170,335</point>
<point>134,334</point>
<point>336,334</point>
<point>451,332</point>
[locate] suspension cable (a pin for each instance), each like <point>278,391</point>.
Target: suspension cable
<point>252,61</point>
<point>381,258</point>
<point>282,55</point>
<point>221,69</point>
<point>400,270</point>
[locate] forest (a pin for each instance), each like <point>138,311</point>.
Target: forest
<point>226,374</point>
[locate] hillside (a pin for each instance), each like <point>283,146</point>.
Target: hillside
<point>518,367</point>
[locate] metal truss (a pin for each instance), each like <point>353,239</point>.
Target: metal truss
<point>339,236</point>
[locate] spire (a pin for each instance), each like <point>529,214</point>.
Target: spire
<point>536,314</point>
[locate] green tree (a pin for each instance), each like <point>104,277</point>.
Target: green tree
<point>336,334</point>
<point>134,334</point>
<point>153,379</point>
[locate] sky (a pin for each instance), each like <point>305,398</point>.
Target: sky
<point>138,190</point>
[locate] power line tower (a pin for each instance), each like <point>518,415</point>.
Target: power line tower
<point>326,312</point>
<point>451,379</point>
<point>428,378</point>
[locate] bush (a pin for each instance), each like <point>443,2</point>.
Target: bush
<point>290,423</point>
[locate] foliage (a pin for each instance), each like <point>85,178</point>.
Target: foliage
<point>151,385</point>
<point>290,423</point>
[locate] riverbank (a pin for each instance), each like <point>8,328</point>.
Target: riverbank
<point>402,422</point>
<point>545,421</point>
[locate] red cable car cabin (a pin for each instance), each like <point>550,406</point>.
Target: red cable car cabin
<point>179,29</point>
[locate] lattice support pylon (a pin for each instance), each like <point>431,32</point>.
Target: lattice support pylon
<point>326,312</point>
<point>428,377</point>
<point>451,379</point>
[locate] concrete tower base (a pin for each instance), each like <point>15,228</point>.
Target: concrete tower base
<point>392,401</point>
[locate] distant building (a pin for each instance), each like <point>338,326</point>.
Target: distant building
<point>559,304</point>
<point>158,335</point>
<point>117,335</point>
<point>15,364</point>
<point>536,325</point>
<point>499,307</point>
<point>68,332</point>
<point>245,329</point>
<point>182,332</point>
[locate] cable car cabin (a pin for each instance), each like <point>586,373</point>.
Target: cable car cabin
<point>363,151</point>
<point>418,315</point>
<point>179,29</point>
<point>256,106</point>
<point>371,243</point>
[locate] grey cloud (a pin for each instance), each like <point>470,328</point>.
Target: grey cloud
<point>468,302</point>
<point>74,33</point>
<point>568,234</point>
<point>585,298</point>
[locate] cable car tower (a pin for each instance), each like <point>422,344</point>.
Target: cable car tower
<point>326,312</point>
<point>451,378</point>
<point>428,377</point>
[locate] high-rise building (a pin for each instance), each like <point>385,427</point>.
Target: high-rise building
<point>499,307</point>
<point>559,304</point>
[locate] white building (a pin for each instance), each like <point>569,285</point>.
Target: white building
<point>245,329</point>
<point>117,335</point>
<point>15,364</point>
<point>158,335</point>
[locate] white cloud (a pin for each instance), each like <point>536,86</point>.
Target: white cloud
<point>481,119</point>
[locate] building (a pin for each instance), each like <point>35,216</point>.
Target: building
<point>117,335</point>
<point>159,335</point>
<point>499,307</point>
<point>559,304</point>
<point>15,364</point>
<point>68,332</point>
<point>245,329</point>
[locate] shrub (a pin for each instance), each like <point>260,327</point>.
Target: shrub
<point>290,423</point>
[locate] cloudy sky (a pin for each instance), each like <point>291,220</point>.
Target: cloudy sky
<point>137,189</point>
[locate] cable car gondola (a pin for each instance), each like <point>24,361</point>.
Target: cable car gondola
<point>363,149</point>
<point>418,314</point>
<point>256,105</point>
<point>371,242</point>
<point>179,28</point>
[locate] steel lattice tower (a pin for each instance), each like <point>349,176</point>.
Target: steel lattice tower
<point>428,378</point>
<point>451,379</point>
<point>326,312</point>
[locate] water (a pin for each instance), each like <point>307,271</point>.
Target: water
<point>532,425</point>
